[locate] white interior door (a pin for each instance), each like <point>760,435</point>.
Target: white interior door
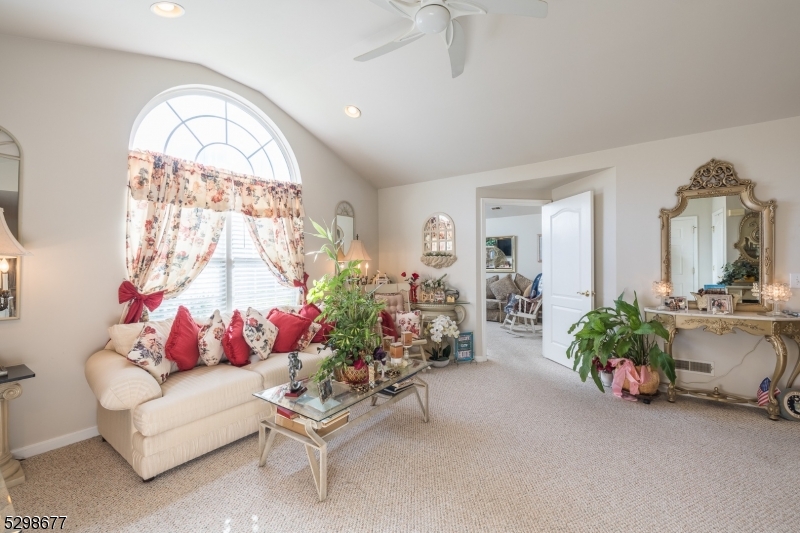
<point>717,244</point>
<point>567,270</point>
<point>683,248</point>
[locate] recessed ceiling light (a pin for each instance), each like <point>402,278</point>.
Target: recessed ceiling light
<point>167,9</point>
<point>352,111</point>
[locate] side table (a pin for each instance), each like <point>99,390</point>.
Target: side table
<point>10,389</point>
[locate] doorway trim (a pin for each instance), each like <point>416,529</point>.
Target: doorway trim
<point>483,355</point>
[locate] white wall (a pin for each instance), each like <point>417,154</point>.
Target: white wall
<point>647,176</point>
<point>527,229</point>
<point>72,109</point>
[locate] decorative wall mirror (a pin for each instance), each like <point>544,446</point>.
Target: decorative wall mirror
<point>439,241</point>
<point>345,226</point>
<point>10,163</point>
<point>501,254</point>
<point>719,237</point>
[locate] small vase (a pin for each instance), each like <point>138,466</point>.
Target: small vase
<point>438,296</point>
<point>440,364</point>
<point>412,294</point>
<point>606,378</point>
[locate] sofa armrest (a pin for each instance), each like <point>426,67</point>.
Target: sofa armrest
<point>117,383</point>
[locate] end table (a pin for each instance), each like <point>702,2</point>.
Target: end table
<point>10,389</point>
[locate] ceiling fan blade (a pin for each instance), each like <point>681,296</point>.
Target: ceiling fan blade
<point>408,38</point>
<point>457,48</point>
<point>398,7</point>
<point>526,8</point>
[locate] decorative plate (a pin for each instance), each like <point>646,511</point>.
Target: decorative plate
<point>789,401</point>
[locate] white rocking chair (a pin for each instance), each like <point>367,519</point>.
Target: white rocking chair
<point>526,311</point>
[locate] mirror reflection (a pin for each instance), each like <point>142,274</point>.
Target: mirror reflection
<point>9,203</point>
<point>345,226</point>
<point>715,244</point>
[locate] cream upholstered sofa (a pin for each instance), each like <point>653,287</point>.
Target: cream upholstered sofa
<point>156,427</point>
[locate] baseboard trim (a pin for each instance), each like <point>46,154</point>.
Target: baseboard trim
<point>52,444</point>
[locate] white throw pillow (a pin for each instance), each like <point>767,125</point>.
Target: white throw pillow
<point>409,322</point>
<point>123,336</point>
<point>148,353</point>
<point>209,339</point>
<point>259,333</point>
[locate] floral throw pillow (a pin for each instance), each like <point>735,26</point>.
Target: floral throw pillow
<point>148,353</point>
<point>409,322</point>
<point>209,340</point>
<point>259,333</point>
<point>306,338</point>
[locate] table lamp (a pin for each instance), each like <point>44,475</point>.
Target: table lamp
<point>777,293</point>
<point>662,289</point>
<point>357,252</point>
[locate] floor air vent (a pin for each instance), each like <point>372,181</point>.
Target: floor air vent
<point>697,367</point>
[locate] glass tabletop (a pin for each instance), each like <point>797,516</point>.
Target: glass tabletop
<point>310,406</point>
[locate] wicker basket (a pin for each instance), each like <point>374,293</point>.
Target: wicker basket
<point>650,386</point>
<point>351,374</point>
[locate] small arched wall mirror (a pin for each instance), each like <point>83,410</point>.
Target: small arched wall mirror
<point>345,225</point>
<point>439,241</point>
<point>10,164</point>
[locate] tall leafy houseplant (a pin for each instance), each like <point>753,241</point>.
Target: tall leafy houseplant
<point>353,312</point>
<point>618,332</point>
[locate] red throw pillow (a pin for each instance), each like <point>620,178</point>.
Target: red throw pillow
<point>312,311</point>
<point>290,328</point>
<point>387,324</point>
<point>181,344</point>
<point>236,348</point>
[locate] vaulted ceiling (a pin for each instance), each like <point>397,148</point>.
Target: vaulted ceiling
<point>594,74</point>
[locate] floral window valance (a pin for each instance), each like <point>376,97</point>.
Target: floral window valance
<point>165,179</point>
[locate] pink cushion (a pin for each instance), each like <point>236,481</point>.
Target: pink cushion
<point>181,344</point>
<point>290,328</point>
<point>236,348</point>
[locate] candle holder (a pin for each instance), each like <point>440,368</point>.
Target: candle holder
<point>662,289</point>
<point>777,293</point>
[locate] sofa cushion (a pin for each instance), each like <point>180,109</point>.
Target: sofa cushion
<point>148,352</point>
<point>409,322</point>
<point>196,394</point>
<point>489,281</point>
<point>233,344</point>
<point>503,287</point>
<point>259,333</point>
<point>124,336</point>
<point>308,336</point>
<point>290,328</point>
<point>181,344</point>
<point>522,282</point>
<point>209,339</point>
<point>275,370</point>
<point>312,311</point>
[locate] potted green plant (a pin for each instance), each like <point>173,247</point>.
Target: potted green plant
<point>739,271</point>
<point>353,313</point>
<point>619,332</point>
<point>440,327</point>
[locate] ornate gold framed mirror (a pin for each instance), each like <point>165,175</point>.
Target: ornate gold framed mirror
<point>719,236</point>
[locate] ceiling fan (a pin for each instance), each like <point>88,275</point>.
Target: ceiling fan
<point>439,16</point>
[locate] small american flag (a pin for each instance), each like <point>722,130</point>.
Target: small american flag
<point>763,392</point>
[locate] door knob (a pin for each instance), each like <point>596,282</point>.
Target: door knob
<point>586,293</point>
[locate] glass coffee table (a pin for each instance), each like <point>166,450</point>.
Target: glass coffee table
<point>314,423</point>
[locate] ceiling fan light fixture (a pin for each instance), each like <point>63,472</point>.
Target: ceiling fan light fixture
<point>432,18</point>
<point>352,111</point>
<point>167,9</point>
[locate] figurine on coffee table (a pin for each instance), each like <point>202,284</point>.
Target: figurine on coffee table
<point>295,387</point>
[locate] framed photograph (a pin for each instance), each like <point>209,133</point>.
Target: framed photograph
<point>720,304</point>
<point>540,248</point>
<point>501,254</point>
<point>676,303</point>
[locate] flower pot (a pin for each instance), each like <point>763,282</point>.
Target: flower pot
<point>606,378</point>
<point>351,374</point>
<point>651,382</point>
<point>440,364</point>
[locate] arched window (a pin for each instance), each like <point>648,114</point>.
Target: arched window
<point>218,130</point>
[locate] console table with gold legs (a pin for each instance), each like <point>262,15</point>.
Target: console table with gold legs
<point>773,328</point>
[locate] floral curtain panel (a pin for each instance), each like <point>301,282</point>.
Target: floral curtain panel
<point>176,213</point>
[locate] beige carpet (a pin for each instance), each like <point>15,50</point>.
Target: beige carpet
<point>515,444</point>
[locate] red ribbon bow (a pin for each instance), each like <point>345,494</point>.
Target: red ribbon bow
<point>128,293</point>
<point>303,285</point>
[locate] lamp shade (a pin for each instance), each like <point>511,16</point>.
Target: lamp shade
<point>8,244</point>
<point>357,252</point>
<point>340,255</point>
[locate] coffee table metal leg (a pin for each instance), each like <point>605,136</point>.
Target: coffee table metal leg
<point>267,444</point>
<point>424,407</point>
